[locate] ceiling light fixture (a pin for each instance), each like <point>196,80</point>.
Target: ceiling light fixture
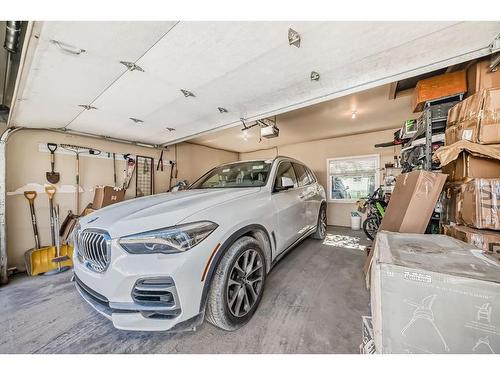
<point>187,93</point>
<point>131,66</point>
<point>314,76</point>
<point>353,115</point>
<point>87,107</point>
<point>136,120</point>
<point>293,38</point>
<point>222,110</point>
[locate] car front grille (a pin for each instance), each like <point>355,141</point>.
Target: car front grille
<point>94,249</point>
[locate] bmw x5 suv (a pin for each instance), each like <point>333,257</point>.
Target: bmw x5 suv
<point>167,261</point>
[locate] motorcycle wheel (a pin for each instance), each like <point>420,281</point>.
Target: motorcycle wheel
<point>370,226</point>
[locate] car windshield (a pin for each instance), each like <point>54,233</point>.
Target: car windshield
<point>244,174</point>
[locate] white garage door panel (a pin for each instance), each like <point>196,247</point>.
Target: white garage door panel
<point>245,67</point>
<point>349,77</point>
<point>193,55</point>
<point>58,82</point>
<point>231,67</point>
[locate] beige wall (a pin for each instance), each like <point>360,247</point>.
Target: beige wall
<point>315,154</point>
<point>26,164</point>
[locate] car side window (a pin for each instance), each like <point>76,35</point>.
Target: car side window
<point>285,169</point>
<point>302,175</point>
<point>311,176</point>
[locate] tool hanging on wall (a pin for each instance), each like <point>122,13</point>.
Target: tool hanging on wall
<point>129,171</point>
<point>52,177</point>
<point>79,150</point>
<point>58,259</point>
<point>173,173</point>
<point>114,170</point>
<point>31,196</point>
<point>159,165</point>
<point>67,226</point>
<point>51,190</point>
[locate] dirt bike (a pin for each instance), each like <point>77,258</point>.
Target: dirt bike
<point>374,206</point>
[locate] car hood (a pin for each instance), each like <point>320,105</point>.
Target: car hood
<point>158,211</point>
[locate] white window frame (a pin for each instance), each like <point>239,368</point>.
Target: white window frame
<point>329,180</point>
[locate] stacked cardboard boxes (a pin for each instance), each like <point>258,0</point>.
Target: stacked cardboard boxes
<point>471,159</point>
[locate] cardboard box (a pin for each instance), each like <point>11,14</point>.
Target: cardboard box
<point>412,202</point>
<point>434,294</point>
<point>487,240</point>
<point>451,135</point>
<point>106,195</point>
<point>489,128</point>
<point>453,114</point>
<point>479,77</point>
<point>468,166</point>
<point>437,87</point>
<point>479,204</point>
<point>450,214</point>
<point>476,119</point>
<point>464,160</point>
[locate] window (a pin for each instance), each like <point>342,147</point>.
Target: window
<point>284,170</point>
<point>302,175</point>
<point>243,174</point>
<point>353,177</point>
<point>311,175</point>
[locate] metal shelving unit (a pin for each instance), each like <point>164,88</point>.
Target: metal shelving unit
<point>436,113</point>
<point>431,126</point>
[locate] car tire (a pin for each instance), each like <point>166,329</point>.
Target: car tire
<point>320,233</point>
<point>225,293</point>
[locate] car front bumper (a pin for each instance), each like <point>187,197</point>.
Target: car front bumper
<point>110,292</point>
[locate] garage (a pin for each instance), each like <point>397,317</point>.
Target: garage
<point>250,187</point>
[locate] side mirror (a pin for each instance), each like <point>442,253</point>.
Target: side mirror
<point>286,183</point>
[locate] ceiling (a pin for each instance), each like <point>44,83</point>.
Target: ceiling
<point>373,111</point>
<point>248,68</point>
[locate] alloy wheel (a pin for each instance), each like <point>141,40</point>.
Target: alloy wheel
<point>244,285</point>
<point>322,223</point>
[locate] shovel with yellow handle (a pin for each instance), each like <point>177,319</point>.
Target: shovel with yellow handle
<point>51,190</point>
<point>31,196</point>
<point>48,258</point>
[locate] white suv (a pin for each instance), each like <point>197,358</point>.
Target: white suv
<point>161,262</point>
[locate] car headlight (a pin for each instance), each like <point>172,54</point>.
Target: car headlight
<point>72,237</point>
<point>168,240</point>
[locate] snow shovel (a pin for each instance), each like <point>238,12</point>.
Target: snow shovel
<point>51,190</point>
<point>52,177</point>
<point>31,196</point>
<point>58,259</point>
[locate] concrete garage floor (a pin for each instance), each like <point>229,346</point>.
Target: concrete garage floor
<point>313,303</point>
